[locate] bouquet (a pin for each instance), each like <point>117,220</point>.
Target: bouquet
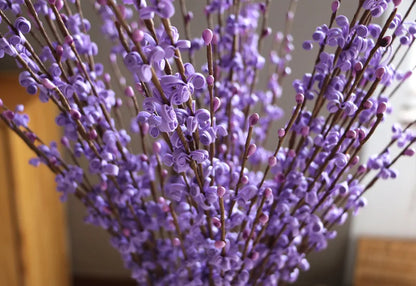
<point>170,157</point>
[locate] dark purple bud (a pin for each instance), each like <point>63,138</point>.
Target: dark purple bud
<point>244,180</point>
<point>367,104</point>
<point>358,66</point>
<point>355,160</point>
<point>361,134</point>
<point>75,114</point>
<point>216,222</point>
<point>92,134</point>
<point>397,2</point>
<point>69,40</point>
<point>253,119</point>
<point>263,219</point>
<point>266,32</point>
<point>362,169</point>
<point>409,152</point>
<point>59,51</point>
<point>351,134</point>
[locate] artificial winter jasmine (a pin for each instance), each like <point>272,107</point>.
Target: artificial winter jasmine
<point>187,189</point>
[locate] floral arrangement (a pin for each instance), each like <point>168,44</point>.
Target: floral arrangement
<point>187,190</point>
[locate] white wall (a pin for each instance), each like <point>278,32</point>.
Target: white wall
<point>391,211</point>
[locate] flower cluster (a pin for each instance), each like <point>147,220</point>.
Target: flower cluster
<point>187,190</point>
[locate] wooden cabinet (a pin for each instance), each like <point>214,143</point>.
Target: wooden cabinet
<point>33,236</point>
<point>385,262</point>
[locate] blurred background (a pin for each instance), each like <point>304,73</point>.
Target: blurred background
<point>386,225</point>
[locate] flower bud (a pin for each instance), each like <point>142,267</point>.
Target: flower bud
<point>300,98</point>
<point>220,244</point>
<point>251,149</point>
<point>253,119</point>
<point>221,191</point>
<point>207,36</point>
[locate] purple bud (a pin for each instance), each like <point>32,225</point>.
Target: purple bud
<point>367,104</point>
<point>251,149</point>
<point>362,169</point>
<point>221,191</point>
<point>220,244</point>
<point>334,6</point>
<point>157,147</point>
<point>268,193</point>
<point>385,41</point>
<point>351,134</point>
<point>409,152</point>
<point>217,103</point>
<point>210,80</point>
<point>281,132</point>
<point>263,219</point>
<point>397,2</point>
<point>129,92</point>
<point>380,72</point>
<point>216,222</point>
<point>48,84</point>
<point>138,35</point>
<point>253,119</point>
<point>358,66</point>
<point>75,114</point>
<point>176,241</point>
<point>244,180</point>
<point>304,131</point>
<point>92,134</point>
<point>300,98</point>
<point>272,161</point>
<point>207,36</point>
<point>381,108</point>
<point>69,40</point>
<point>59,50</point>
<point>354,160</point>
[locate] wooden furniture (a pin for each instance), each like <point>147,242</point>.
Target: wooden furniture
<point>385,262</point>
<point>33,238</point>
